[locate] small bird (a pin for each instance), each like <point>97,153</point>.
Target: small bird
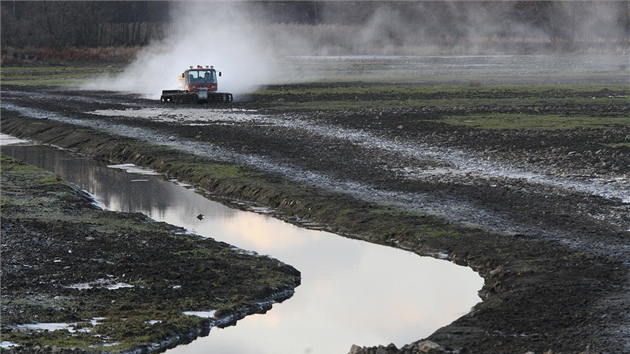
<point>200,216</point>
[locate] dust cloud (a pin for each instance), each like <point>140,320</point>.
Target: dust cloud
<point>224,35</point>
<point>247,40</point>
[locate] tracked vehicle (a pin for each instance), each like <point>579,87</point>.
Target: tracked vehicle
<point>198,84</point>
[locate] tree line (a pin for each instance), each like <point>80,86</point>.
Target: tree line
<point>90,24</point>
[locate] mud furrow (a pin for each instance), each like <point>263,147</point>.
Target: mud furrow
<point>460,169</point>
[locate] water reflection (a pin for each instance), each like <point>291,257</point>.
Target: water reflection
<point>352,292</point>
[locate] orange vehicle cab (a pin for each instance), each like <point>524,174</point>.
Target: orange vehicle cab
<point>200,80</point>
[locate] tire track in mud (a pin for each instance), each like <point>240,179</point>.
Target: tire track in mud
<point>452,166</point>
<point>457,167</point>
<point>456,164</point>
<point>457,210</point>
<point>449,206</point>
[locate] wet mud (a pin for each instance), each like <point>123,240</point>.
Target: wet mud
<point>543,215</point>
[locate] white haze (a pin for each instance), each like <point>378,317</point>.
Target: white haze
<point>204,33</point>
<point>239,40</point>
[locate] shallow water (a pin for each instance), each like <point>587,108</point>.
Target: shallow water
<point>352,292</point>
<point>446,162</point>
<point>449,164</point>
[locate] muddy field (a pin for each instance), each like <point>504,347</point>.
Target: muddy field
<point>529,185</point>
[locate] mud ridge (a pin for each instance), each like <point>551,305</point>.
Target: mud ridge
<point>553,250</point>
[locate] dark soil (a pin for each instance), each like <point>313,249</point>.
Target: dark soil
<point>54,238</point>
<point>543,215</point>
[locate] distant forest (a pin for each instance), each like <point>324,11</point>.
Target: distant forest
<point>559,24</point>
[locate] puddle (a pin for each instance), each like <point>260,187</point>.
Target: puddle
<point>70,327</point>
<point>187,116</point>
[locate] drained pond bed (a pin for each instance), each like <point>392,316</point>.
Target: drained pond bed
<point>429,169</point>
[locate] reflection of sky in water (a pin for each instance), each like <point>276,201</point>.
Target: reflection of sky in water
<point>352,292</point>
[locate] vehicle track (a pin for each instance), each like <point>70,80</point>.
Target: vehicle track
<point>586,213</point>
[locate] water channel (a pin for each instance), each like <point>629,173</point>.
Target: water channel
<point>352,292</point>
